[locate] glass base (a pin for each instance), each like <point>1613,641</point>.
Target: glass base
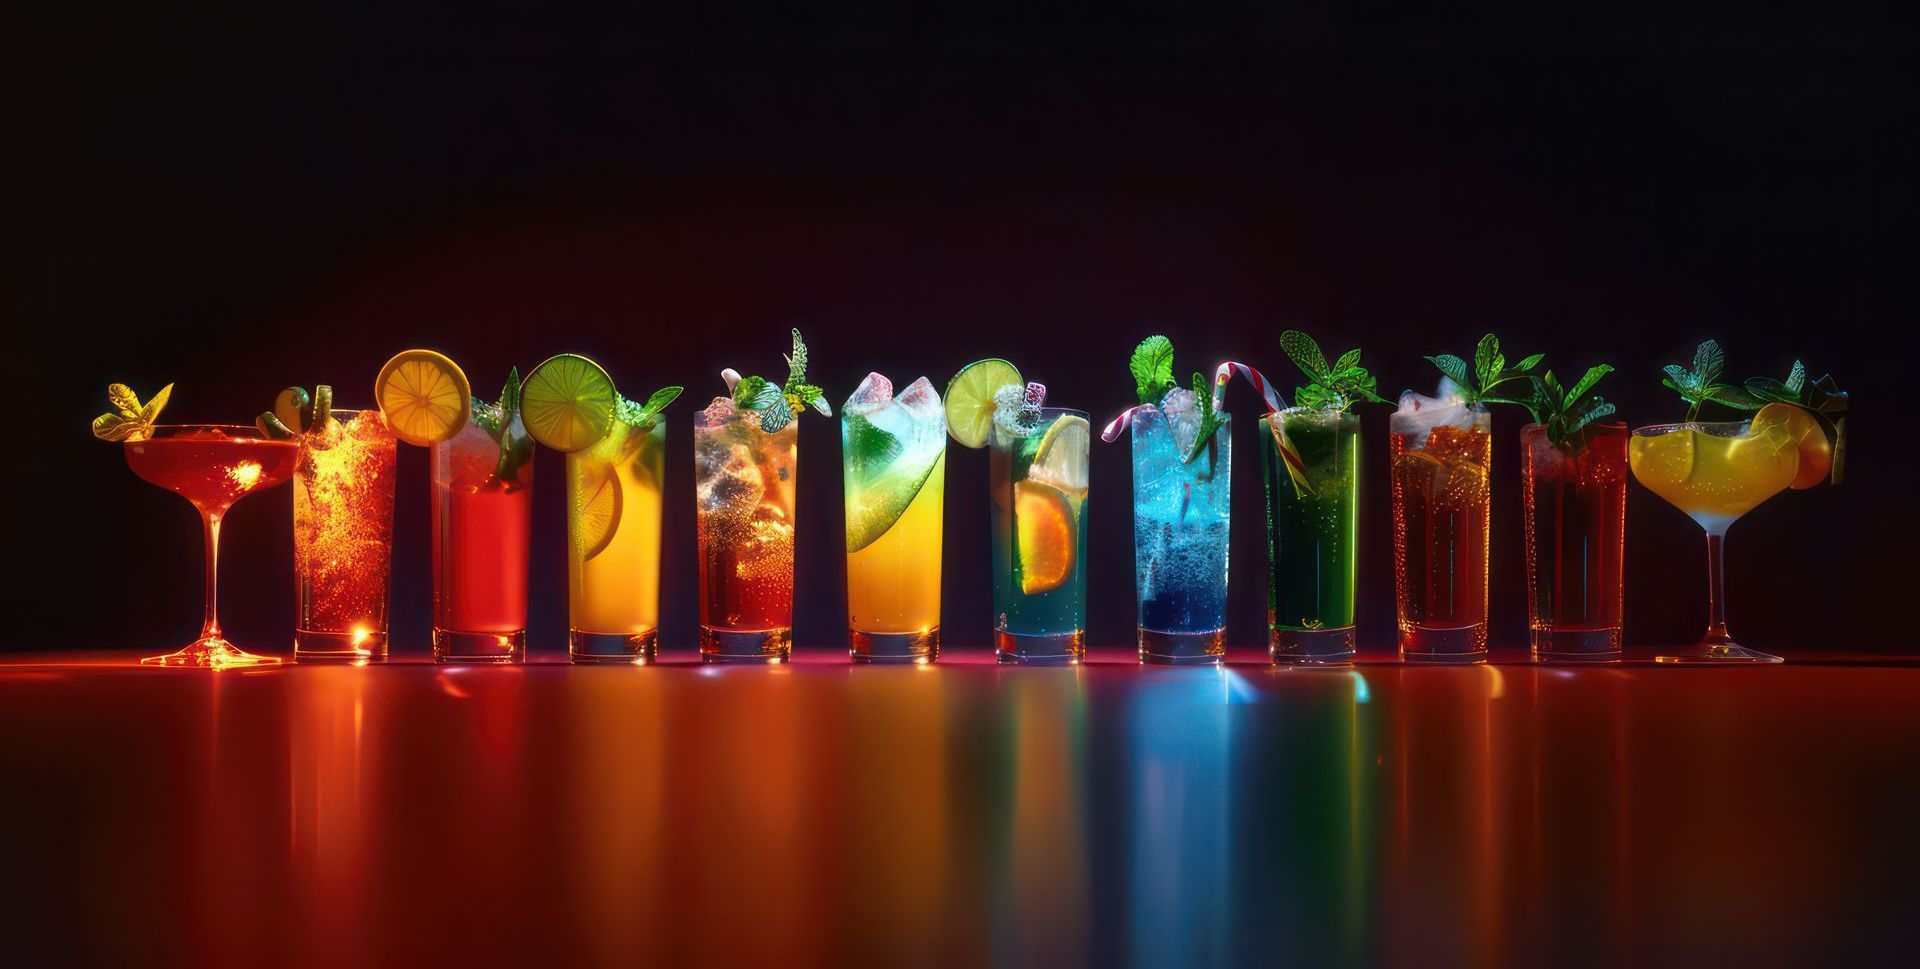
<point>211,653</point>
<point>746,645</point>
<point>637,649</point>
<point>1059,649</point>
<point>450,646</point>
<point>1576,645</point>
<point>895,648</point>
<point>1183,649</point>
<point>1444,644</point>
<point>313,646</point>
<point>1719,652</point>
<point>1311,647</point>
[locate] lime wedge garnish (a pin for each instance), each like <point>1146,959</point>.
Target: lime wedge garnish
<point>970,399</point>
<point>567,402</point>
<point>874,506</point>
<point>596,514</point>
<point>1061,458</point>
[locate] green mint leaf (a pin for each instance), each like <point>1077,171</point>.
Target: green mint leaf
<point>1529,363</point>
<point>1682,380</point>
<point>748,390</point>
<point>1487,360</point>
<point>1305,354</point>
<point>1577,424</point>
<point>1209,421</point>
<point>510,394</point>
<point>1586,382</point>
<point>1366,387</point>
<point>1732,396</point>
<point>868,445</point>
<point>796,363</point>
<point>124,400</point>
<point>1708,361</point>
<point>150,411</point>
<point>774,412</point>
<point>1455,369</point>
<point>1317,397</point>
<point>1797,377</point>
<point>1152,369</point>
<point>1348,361</point>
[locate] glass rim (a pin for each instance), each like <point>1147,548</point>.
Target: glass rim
<point>249,432</point>
<point>1654,430</point>
<point>1344,413</point>
<point>1536,426</point>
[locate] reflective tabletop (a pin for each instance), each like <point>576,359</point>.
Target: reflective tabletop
<point>965,813</point>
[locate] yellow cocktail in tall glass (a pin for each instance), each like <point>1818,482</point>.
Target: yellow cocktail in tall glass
<point>894,449</point>
<point>613,544</point>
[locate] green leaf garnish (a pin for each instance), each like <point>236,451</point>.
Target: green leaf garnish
<point>1489,372</point>
<point>1209,421</point>
<point>778,404</point>
<point>1338,387</point>
<point>643,416</point>
<point>749,390</point>
<point>130,420</point>
<point>1566,411</point>
<point>1702,383</point>
<point>497,419</point>
<point>1152,369</point>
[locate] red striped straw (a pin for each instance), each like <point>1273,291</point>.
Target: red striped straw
<point>1226,371</point>
<point>1221,375</point>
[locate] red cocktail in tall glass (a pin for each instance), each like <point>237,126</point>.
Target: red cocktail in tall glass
<point>1576,513</point>
<point>212,466</point>
<point>1440,459</point>
<point>481,525</point>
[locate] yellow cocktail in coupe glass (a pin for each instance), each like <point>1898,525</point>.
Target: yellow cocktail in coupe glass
<point>894,450</point>
<point>1717,472</point>
<point>616,459</point>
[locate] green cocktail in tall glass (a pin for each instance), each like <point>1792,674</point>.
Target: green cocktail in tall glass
<point>1311,465</point>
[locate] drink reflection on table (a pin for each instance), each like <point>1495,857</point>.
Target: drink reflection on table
<point>1040,897</point>
<point>1180,790</point>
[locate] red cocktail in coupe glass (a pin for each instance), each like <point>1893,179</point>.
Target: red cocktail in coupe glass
<point>212,466</point>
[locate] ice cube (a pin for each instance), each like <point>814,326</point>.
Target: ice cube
<point>1181,407</point>
<point>720,411</point>
<point>728,478</point>
<point>1418,414</point>
<point>926,417</point>
<point>874,393</point>
<point>1006,411</point>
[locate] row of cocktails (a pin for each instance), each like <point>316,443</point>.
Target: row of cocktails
<point>1574,478</point>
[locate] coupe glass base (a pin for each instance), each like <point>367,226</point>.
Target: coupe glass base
<point>1183,649</point>
<point>746,645</point>
<point>310,646</point>
<point>450,646</point>
<point>1054,649</point>
<point>1713,653</point>
<point>632,649</point>
<point>1311,647</point>
<point>912,648</point>
<point>211,653</point>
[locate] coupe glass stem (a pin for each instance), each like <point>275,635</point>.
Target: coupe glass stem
<point>210,626</point>
<point>1717,587</point>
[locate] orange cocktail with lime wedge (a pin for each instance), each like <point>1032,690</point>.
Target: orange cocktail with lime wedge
<point>1717,472</point>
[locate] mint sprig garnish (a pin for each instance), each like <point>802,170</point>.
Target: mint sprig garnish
<point>777,404</point>
<point>130,420</point>
<point>644,416</point>
<point>1336,387</point>
<point>1702,384</point>
<point>1566,411</point>
<point>1209,423</point>
<point>1488,373</point>
<point>1823,398</point>
<point>497,419</point>
<point>1152,369</point>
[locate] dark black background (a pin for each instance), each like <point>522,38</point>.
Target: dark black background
<point>239,202</point>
